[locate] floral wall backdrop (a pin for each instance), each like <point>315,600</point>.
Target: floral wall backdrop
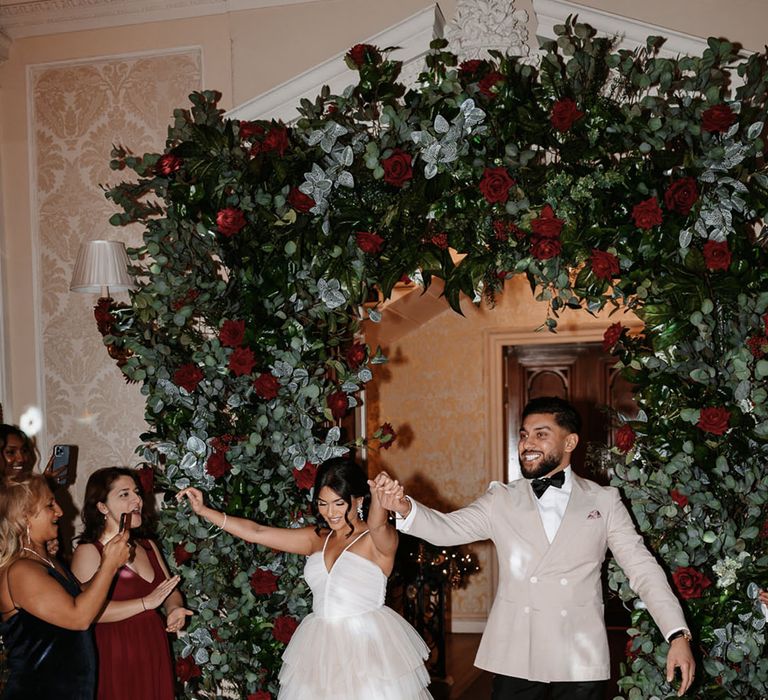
<point>607,179</point>
<point>79,110</point>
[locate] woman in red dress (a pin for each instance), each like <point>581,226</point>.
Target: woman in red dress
<point>131,637</point>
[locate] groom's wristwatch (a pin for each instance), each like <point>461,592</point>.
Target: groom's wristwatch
<point>680,633</point>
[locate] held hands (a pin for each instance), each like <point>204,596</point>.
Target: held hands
<point>176,619</point>
<point>117,551</point>
<point>390,494</point>
<point>680,656</point>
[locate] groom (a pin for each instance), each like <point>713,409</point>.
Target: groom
<point>545,638</point>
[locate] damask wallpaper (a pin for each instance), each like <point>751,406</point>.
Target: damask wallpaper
<point>78,111</point>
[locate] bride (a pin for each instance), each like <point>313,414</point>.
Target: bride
<point>351,645</point>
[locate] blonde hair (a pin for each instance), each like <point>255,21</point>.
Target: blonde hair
<point>19,498</point>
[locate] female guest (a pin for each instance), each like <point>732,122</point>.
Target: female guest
<point>45,617</point>
<point>351,645</point>
<point>134,656</point>
<point>17,453</point>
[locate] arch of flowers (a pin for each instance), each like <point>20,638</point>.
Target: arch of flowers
<point>606,177</point>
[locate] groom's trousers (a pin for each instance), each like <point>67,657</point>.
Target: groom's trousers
<point>510,688</point>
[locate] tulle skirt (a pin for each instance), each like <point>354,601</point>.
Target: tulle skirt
<point>376,655</point>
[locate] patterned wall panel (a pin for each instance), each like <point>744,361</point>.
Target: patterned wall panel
<point>78,111</point>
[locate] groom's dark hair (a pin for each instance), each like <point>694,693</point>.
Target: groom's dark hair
<point>566,416</point>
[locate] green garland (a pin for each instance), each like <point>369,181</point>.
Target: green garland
<point>606,177</point>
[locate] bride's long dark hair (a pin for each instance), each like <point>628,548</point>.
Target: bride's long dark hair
<point>347,480</point>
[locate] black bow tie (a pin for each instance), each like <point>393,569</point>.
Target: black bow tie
<point>539,486</point>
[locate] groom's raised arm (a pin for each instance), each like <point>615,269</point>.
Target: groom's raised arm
<point>462,526</point>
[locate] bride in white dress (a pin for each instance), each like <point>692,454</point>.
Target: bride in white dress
<point>351,645</point>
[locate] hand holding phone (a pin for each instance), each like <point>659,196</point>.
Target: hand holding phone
<point>123,518</point>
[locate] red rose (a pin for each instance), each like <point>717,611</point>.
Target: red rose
<point>765,323</point>
<point>284,628</point>
<point>217,465</point>
<point>188,376</point>
<point>360,54</point>
<point>625,437</point>
<point>564,113</point>
<point>263,582</point>
<point>222,443</point>
<point>764,531</point>
<point>468,69</point>
<point>180,554</point>
<point>187,669</point>
<point>545,248</point>
<point>758,345</point>
<point>681,195</point>
<point>546,224</point>
<point>242,361</point>
<point>355,355</point>
<point>489,82</point>
<point>229,221</point>
<point>612,336</point>
<point>147,479</point>
<point>168,164</point>
<point>440,240</point>
<point>232,333</point>
<point>369,243</point>
<point>717,256</point>
<point>102,312</point>
<point>266,386</point>
<point>689,582</point>
<point>260,695</point>
<point>250,129</point>
<point>647,213</point>
<point>503,229</point>
<point>188,298</point>
<point>717,119</point>
<point>397,168</point>
<point>495,185</point>
<point>387,435</point>
<point>305,477</point>
<point>276,140</point>
<point>679,498</point>
<point>714,419</point>
<point>299,201</point>
<point>338,403</point>
<point>604,265</point>
<point>630,652</point>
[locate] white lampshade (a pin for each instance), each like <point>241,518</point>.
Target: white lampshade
<point>101,267</point>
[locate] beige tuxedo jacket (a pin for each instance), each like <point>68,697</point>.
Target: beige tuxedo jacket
<point>546,623</point>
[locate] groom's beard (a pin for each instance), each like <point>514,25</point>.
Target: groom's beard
<point>549,463</point>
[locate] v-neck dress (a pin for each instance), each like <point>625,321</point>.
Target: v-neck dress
<point>351,645</point>
<point>134,654</point>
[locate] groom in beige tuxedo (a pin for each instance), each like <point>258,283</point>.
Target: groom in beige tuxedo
<point>546,638</point>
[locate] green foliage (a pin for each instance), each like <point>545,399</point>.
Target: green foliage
<point>608,178</point>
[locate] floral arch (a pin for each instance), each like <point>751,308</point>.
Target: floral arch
<point>606,177</point>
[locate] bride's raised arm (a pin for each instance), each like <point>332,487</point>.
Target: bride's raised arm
<point>302,540</point>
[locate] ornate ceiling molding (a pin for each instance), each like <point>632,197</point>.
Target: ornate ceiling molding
<point>22,19</point>
<point>632,33</point>
<point>480,25</point>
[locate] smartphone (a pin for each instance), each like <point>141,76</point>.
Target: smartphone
<point>123,518</point>
<point>61,466</point>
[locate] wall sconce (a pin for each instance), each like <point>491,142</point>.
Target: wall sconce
<point>101,268</point>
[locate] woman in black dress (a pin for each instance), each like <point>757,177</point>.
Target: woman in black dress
<point>45,618</point>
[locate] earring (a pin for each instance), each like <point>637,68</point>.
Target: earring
<point>360,511</point>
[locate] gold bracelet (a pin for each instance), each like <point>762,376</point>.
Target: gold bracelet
<point>224,522</point>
